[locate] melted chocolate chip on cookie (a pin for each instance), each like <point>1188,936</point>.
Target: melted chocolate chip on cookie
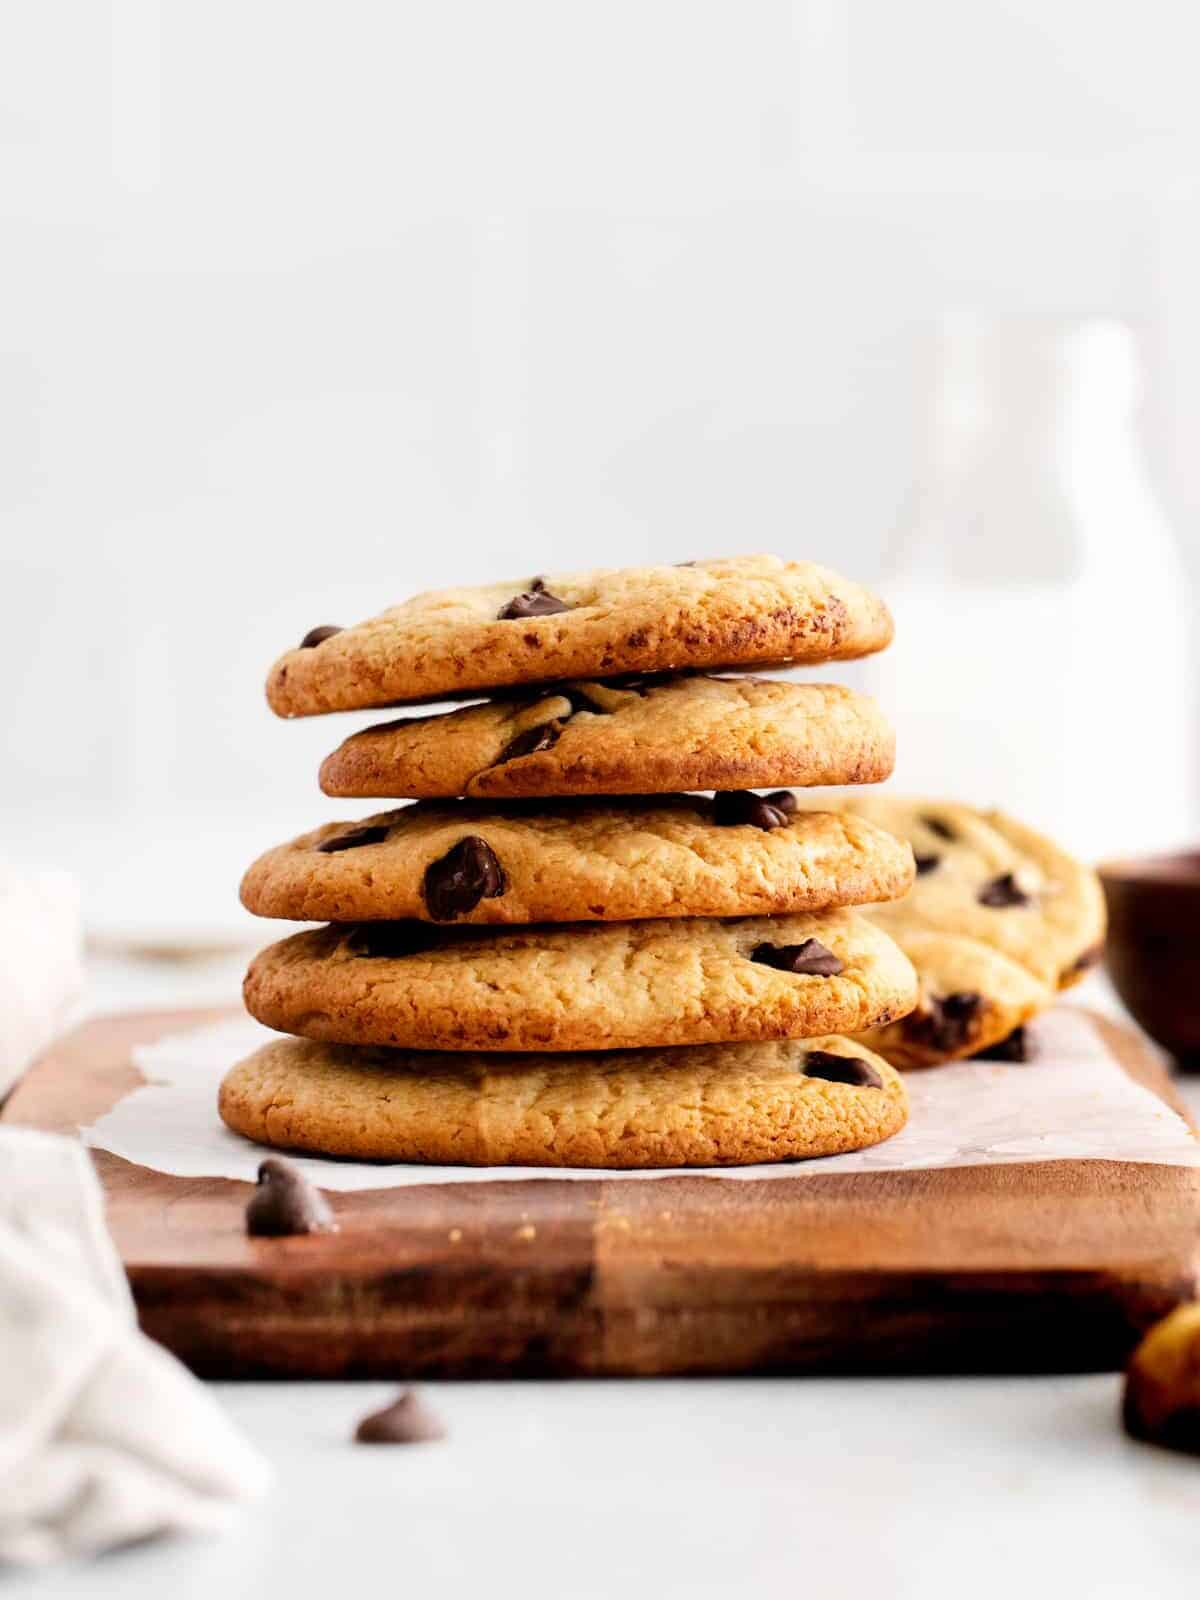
<point>1004,891</point>
<point>783,800</point>
<point>285,1203</point>
<point>742,807</point>
<point>543,737</point>
<point>809,958</point>
<point>351,840</point>
<point>316,636</point>
<point>942,829</point>
<point>945,1022</point>
<point>841,1069</point>
<point>536,601</point>
<point>465,875</point>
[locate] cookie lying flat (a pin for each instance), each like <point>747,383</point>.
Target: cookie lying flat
<point>661,736</point>
<point>712,1105</point>
<point>985,875</point>
<point>746,611</point>
<point>578,861</point>
<point>971,998</point>
<point>582,986</point>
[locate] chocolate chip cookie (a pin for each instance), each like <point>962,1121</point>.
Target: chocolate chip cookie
<point>582,986</point>
<point>986,876</point>
<point>971,998</point>
<point>744,611</point>
<point>652,736</point>
<point>706,1106</point>
<point>579,861</point>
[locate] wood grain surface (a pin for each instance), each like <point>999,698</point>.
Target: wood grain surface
<point>1044,1266</point>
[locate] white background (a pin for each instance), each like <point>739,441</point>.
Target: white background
<point>306,306</point>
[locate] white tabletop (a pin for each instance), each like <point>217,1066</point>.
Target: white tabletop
<point>926,1487</point>
<point>828,1487</point>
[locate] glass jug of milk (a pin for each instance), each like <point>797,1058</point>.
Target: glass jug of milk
<point>1042,660</point>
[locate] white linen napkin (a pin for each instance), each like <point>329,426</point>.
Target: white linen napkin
<point>40,962</point>
<point>104,1437</point>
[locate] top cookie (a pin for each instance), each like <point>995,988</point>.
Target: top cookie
<point>984,875</point>
<point>453,643</point>
<point>656,737</point>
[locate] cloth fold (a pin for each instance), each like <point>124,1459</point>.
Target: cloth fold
<point>104,1437</point>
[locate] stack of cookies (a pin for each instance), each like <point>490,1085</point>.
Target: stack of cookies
<point>559,955</point>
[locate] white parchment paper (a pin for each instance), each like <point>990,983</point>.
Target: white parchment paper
<point>1072,1101</point>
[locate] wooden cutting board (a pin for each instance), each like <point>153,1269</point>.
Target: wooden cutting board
<point>1045,1266</point>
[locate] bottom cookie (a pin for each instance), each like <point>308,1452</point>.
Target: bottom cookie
<point>692,1106</point>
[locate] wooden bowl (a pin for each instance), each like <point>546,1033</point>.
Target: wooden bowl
<point>1153,949</point>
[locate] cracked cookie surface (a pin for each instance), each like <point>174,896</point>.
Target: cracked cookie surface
<point>743,611</point>
<point>576,861</point>
<point>711,1105</point>
<point>582,986</point>
<point>596,738</point>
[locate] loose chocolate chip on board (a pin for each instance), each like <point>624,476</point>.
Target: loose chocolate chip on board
<point>316,636</point>
<point>926,864</point>
<point>841,1069</point>
<point>536,601</point>
<point>1015,1047</point>
<point>944,1022</point>
<point>742,807</point>
<point>543,737</point>
<point>285,1203</point>
<point>783,800</point>
<point>408,1420</point>
<point>1004,891</point>
<point>942,829</point>
<point>810,958</point>
<point>375,834</point>
<point>465,875</point>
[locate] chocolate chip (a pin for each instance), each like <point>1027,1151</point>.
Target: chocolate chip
<point>810,957</point>
<point>741,807</point>
<point>1015,1047</point>
<point>316,636</point>
<point>375,834</point>
<point>408,1420</point>
<point>841,1069</point>
<point>388,940</point>
<point>1004,891</point>
<point>284,1202</point>
<point>465,875</point>
<point>942,829</point>
<point>784,800</point>
<point>926,864</point>
<point>536,601</point>
<point>543,737</point>
<point>944,1022</point>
